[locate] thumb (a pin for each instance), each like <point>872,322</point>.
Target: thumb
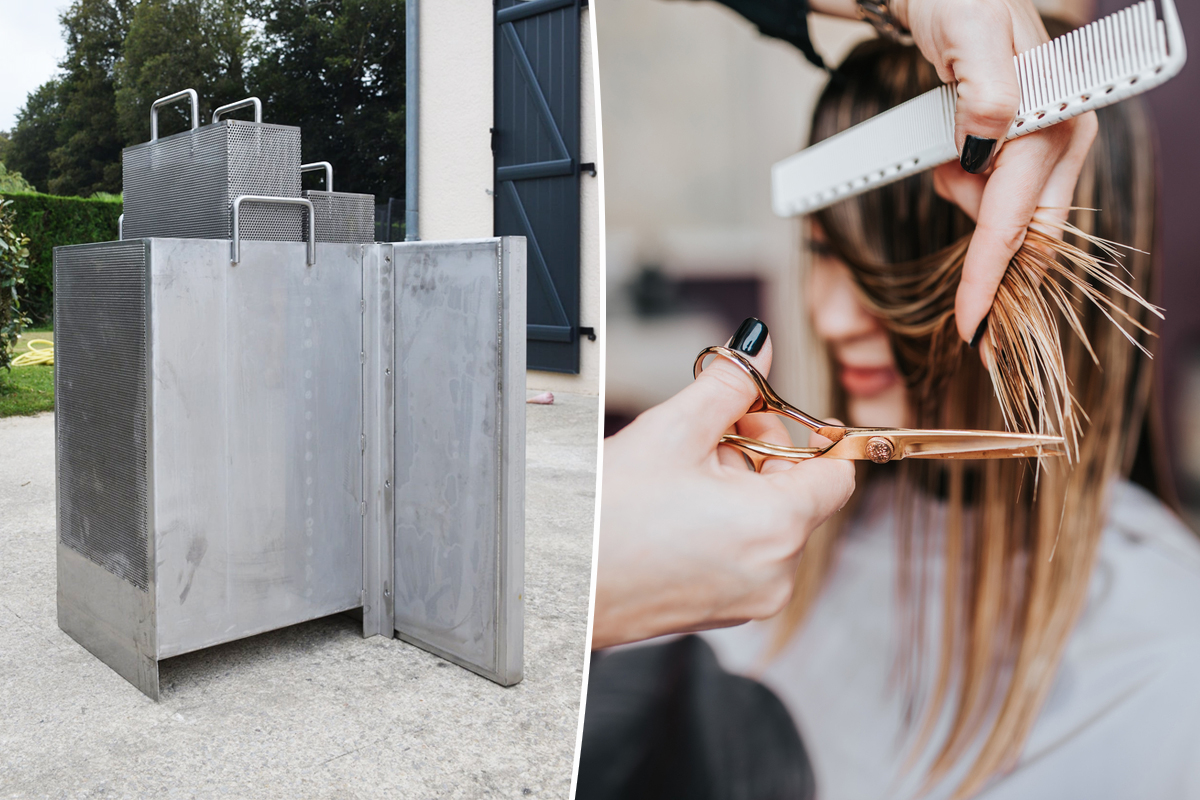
<point>721,393</point>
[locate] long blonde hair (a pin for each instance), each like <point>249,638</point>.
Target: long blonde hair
<point>1071,347</point>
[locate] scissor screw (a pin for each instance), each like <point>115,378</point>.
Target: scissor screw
<point>880,449</point>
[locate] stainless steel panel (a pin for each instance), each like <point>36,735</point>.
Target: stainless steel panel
<point>182,185</point>
<point>256,411</point>
<point>343,216</point>
<point>460,451</point>
<point>379,439</point>
<point>113,619</point>
<point>103,463</point>
<point>101,429</point>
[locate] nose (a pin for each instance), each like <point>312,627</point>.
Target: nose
<point>837,313</point>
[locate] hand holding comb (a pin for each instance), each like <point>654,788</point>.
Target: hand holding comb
<point>1119,56</point>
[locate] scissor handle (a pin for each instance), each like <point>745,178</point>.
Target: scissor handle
<point>768,400</point>
<point>759,451</point>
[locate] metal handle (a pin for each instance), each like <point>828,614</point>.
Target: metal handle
<point>320,165</point>
<point>236,252</point>
<point>171,98</point>
<point>248,102</point>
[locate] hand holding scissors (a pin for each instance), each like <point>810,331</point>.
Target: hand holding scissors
<point>689,538</point>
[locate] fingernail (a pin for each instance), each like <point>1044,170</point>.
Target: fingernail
<point>750,336</point>
<point>979,333</point>
<point>977,154</point>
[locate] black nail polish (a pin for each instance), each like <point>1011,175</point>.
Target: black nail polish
<point>977,154</point>
<point>750,336</point>
<point>979,333</point>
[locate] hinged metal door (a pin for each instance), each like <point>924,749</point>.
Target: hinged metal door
<point>458,506</point>
<point>536,149</point>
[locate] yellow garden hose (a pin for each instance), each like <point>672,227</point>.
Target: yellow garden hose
<point>43,354</point>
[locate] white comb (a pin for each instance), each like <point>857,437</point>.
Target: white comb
<point>1121,55</point>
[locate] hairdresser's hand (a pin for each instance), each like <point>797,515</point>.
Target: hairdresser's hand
<point>972,44</point>
<point>690,538</point>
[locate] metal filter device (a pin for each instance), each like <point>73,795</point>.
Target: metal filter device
<point>183,186</point>
<point>252,433</point>
<point>340,216</point>
<point>1119,56</point>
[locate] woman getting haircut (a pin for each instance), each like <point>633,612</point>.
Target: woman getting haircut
<point>1001,628</point>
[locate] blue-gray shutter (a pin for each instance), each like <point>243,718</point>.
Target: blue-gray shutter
<point>536,149</point>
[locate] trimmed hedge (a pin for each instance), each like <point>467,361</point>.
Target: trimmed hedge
<point>51,221</point>
<point>14,258</point>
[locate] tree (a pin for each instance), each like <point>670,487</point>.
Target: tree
<point>35,135</point>
<point>14,260</point>
<point>66,138</point>
<point>13,181</point>
<point>336,69</point>
<point>333,67</point>
<point>174,45</point>
<point>87,157</point>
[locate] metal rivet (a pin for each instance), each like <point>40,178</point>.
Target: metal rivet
<point>880,449</point>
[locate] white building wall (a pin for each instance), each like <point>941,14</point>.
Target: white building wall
<point>456,114</point>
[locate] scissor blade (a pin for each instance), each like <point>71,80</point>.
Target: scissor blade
<point>944,444</point>
<point>977,444</point>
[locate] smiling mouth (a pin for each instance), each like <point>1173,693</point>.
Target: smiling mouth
<point>867,381</point>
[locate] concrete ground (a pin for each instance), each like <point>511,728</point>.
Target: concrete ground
<point>311,711</point>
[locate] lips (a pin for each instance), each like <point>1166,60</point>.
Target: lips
<point>867,381</point>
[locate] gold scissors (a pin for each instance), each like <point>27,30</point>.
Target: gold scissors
<point>880,445</point>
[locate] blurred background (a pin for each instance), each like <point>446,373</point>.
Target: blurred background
<point>697,106</point>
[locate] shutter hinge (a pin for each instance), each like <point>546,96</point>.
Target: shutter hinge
<point>362,442</point>
<point>590,333</point>
<point>492,134</point>
<point>588,166</point>
<point>362,508</point>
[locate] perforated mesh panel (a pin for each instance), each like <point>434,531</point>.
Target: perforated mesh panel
<point>100,354</point>
<point>182,186</point>
<point>265,160</point>
<point>343,216</point>
<point>176,187</point>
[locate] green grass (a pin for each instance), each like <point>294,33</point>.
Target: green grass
<point>44,332</point>
<point>26,390</point>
